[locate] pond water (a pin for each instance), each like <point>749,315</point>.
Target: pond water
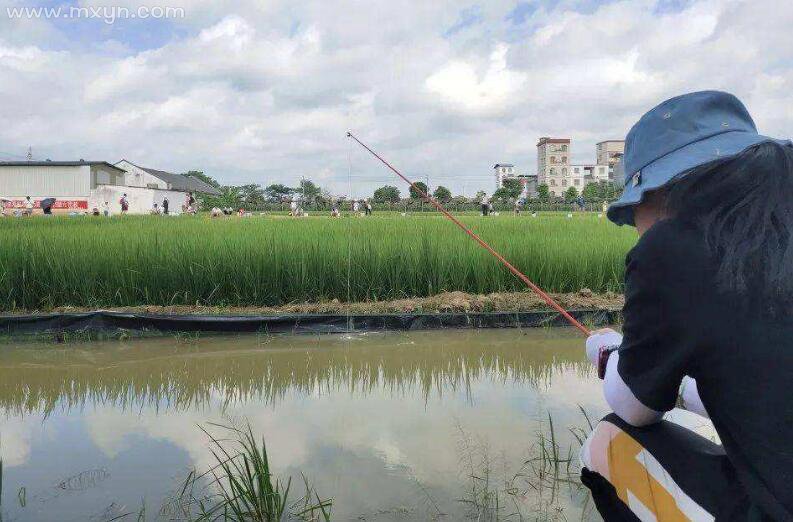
<point>391,426</point>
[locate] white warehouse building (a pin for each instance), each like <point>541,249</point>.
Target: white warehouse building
<point>145,186</point>
<point>73,184</point>
<point>81,186</point>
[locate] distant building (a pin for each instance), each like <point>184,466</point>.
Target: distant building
<point>75,185</point>
<point>609,152</point>
<point>555,170</point>
<point>505,171</point>
<point>529,185</point>
<point>502,172</point>
<point>553,164</point>
<point>80,186</point>
<point>583,175</point>
<point>145,186</point>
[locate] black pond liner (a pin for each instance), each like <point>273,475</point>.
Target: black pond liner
<point>119,322</point>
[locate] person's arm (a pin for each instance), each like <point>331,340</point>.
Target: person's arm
<point>619,396</point>
<point>688,398</point>
<point>622,400</point>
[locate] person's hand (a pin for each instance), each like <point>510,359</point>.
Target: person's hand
<point>604,337</point>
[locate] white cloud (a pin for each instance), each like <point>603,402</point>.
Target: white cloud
<point>459,83</point>
<point>263,92</point>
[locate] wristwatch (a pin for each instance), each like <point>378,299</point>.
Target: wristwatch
<point>603,358</point>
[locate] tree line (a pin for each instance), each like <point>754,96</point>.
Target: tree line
<point>253,196</point>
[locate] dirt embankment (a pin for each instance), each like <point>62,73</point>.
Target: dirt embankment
<point>449,302</point>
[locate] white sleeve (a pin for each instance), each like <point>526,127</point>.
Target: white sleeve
<point>622,400</point>
<point>689,397</point>
<point>620,397</point>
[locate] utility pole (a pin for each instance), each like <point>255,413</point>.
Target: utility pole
<point>429,192</point>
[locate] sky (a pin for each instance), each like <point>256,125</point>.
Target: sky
<point>264,91</point>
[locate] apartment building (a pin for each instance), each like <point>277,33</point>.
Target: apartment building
<point>554,167</point>
<point>609,152</point>
<point>553,164</point>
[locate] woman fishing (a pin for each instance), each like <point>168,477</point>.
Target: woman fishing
<point>708,322</point>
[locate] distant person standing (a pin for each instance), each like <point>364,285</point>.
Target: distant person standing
<point>356,206</point>
<point>368,208</point>
<point>190,201</point>
<point>485,206</point>
<point>165,204</point>
<point>518,206</point>
<point>106,209</point>
<point>28,206</point>
<point>124,202</point>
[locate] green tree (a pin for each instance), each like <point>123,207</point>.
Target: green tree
<point>543,193</point>
<point>414,194</point>
<point>252,195</point>
<point>229,197</point>
<point>442,194</point>
<point>203,177</point>
<point>387,194</point>
<point>513,187</point>
<point>612,190</point>
<point>593,192</point>
<point>570,195</point>
<point>277,192</point>
<point>309,190</point>
<point>502,194</point>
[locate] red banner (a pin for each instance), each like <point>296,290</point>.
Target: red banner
<point>60,204</point>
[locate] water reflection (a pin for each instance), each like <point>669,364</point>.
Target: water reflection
<point>376,420</point>
<point>180,375</point>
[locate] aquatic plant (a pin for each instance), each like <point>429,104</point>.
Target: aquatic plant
<point>270,261</point>
<point>242,486</point>
<point>532,491</point>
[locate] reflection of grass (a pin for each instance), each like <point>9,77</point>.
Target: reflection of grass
<point>242,487</point>
<point>164,374</point>
<point>533,490</point>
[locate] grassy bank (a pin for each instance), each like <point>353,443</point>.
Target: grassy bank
<point>271,261</point>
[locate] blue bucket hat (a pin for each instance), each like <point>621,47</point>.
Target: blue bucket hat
<point>676,136</point>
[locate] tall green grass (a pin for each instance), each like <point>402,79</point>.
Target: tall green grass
<point>269,261</point>
<point>241,487</point>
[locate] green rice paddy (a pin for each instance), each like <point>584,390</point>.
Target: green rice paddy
<point>273,260</point>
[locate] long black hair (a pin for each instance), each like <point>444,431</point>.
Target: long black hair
<point>744,209</point>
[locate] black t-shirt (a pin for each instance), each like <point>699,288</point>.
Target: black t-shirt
<point>677,323</point>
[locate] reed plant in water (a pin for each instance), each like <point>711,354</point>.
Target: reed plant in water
<point>241,486</point>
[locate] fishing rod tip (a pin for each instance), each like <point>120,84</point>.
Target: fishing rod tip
<point>349,134</point>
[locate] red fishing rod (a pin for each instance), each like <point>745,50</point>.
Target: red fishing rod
<point>520,275</point>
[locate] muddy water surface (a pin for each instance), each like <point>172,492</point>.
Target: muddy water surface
<point>397,426</point>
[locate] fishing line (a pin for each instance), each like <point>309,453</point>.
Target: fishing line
<point>349,237</point>
<point>520,275</point>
